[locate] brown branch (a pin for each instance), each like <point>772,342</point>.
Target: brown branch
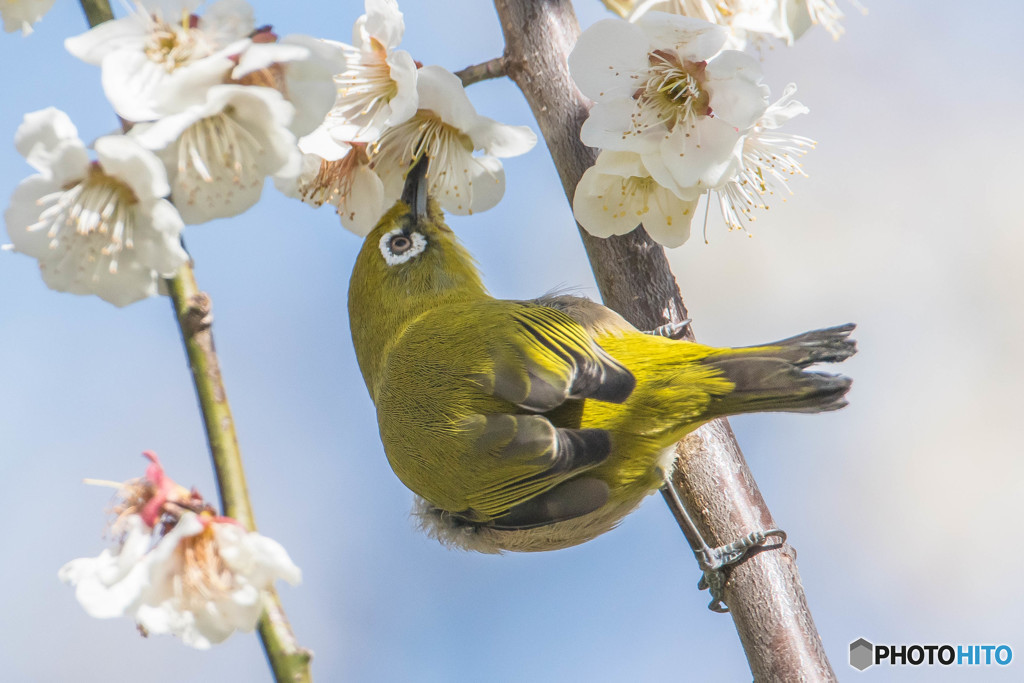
<point>492,68</point>
<point>764,593</point>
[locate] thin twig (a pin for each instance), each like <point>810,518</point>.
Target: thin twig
<point>97,11</point>
<point>193,310</point>
<point>194,313</point>
<point>712,479</point>
<point>492,68</point>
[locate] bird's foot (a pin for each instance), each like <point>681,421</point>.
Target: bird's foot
<point>713,561</point>
<point>670,330</point>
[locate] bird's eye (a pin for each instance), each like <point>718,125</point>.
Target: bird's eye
<point>398,247</point>
<point>399,244</point>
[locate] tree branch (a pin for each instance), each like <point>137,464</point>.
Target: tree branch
<point>764,593</point>
<point>97,11</point>
<point>193,310</point>
<point>194,313</point>
<point>492,68</point>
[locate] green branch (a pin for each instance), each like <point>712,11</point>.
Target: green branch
<point>97,11</point>
<point>193,311</point>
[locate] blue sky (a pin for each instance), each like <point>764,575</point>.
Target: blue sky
<point>904,507</point>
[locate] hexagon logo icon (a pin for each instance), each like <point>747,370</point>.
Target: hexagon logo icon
<point>861,654</point>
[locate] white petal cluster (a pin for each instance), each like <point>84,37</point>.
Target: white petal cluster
<point>19,15</point>
<point>447,129</point>
<point>179,572</point>
<point>684,117</point>
<point>750,21</point>
<point>97,227</point>
<point>219,150</point>
<point>389,113</point>
<point>221,101</point>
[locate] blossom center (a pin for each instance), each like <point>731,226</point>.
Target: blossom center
<point>425,134</point>
<point>674,92</point>
<point>204,576</point>
<point>272,76</point>
<point>366,84</point>
<point>335,178</point>
<point>173,46</point>
<point>221,142</point>
<point>98,213</point>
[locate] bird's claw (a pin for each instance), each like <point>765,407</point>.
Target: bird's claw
<point>670,330</point>
<point>714,560</point>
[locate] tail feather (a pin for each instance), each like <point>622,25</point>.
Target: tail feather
<point>772,377</point>
<point>830,345</point>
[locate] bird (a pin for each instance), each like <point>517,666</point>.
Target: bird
<point>539,424</point>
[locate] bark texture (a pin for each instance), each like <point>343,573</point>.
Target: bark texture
<point>764,593</point>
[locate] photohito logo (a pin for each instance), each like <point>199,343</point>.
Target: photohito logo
<point>863,654</point>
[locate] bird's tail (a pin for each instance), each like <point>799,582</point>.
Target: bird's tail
<point>772,377</point>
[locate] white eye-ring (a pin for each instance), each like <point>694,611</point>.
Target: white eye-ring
<point>397,247</point>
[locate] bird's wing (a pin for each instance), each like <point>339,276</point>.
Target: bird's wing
<point>537,458</point>
<point>544,357</point>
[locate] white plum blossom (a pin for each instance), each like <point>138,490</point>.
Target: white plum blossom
<point>802,14</point>
<point>338,173</point>
<point>663,87</point>
<point>177,568</point>
<point>302,68</point>
<point>98,227</point>
<point>163,45</point>
<point>447,129</point>
<point>220,150</point>
<point>618,192</point>
<point>769,159</point>
<point>19,15</point>
<point>685,117</point>
<point>749,21</point>
<point>377,89</point>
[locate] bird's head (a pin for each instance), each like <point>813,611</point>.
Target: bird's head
<point>412,253</point>
<point>409,263</point>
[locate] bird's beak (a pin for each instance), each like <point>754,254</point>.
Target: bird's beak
<point>415,192</point>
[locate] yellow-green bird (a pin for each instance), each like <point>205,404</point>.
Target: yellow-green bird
<point>536,425</point>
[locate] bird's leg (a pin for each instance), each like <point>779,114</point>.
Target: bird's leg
<point>670,330</point>
<point>712,561</point>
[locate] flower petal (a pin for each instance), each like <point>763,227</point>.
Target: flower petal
<point>738,95</point>
<point>500,140</point>
<point>384,22</point>
<point>602,205</point>
<point>441,92</point>
<point>406,100</point>
<point>124,158</point>
<point>468,184</point>
<point>623,125</point>
<point>364,205</point>
<point>704,156</point>
<point>606,58</point>
<point>103,39</point>
<point>668,218</point>
<point>694,40</point>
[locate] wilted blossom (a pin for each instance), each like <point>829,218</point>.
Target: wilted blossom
<point>177,567</point>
